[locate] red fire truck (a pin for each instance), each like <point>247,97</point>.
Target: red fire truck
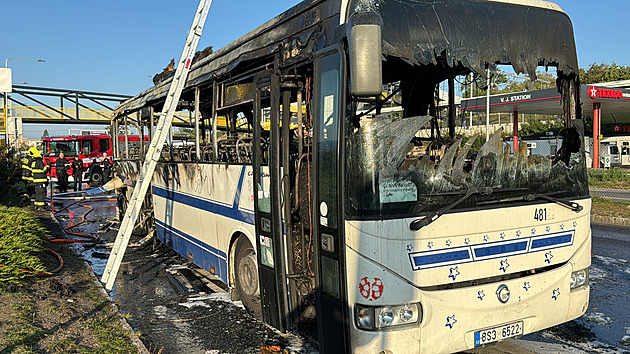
<point>89,148</point>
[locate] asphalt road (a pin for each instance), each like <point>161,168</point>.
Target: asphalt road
<point>622,195</point>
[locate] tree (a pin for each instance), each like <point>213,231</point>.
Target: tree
<point>507,83</point>
<point>502,82</point>
<point>537,125</point>
<point>597,73</point>
<point>10,169</point>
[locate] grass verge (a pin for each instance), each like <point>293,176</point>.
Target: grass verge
<point>21,236</point>
<point>607,207</point>
<point>65,313</point>
<point>615,178</point>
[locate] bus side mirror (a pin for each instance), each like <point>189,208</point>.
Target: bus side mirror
<point>366,74</point>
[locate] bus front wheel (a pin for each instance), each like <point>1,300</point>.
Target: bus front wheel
<point>246,275</point>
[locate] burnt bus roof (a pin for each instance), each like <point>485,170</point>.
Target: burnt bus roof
<point>474,33</point>
<point>467,32</point>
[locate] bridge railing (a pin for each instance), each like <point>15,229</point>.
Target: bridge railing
<point>41,112</point>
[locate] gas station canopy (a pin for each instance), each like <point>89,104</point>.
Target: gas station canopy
<point>599,100</point>
<point>611,100</point>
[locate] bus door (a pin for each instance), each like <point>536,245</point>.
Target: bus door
<point>270,241</point>
<point>331,293</point>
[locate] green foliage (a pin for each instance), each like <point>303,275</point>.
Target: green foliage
<point>502,82</point>
<point>608,175</point>
<point>20,243</point>
<point>24,332</point>
<point>507,83</point>
<point>185,133</point>
<point>597,73</point>
<point>608,207</point>
<point>615,178</point>
<point>536,125</point>
<point>10,169</point>
<point>64,346</point>
<point>112,338</point>
<point>476,146</point>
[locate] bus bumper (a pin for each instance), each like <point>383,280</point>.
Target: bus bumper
<point>451,318</point>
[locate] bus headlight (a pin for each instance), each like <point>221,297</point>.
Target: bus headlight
<point>385,316</point>
<point>406,314</point>
<point>365,317</point>
<point>380,318</point>
<point>579,278</point>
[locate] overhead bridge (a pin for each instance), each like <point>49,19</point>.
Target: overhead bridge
<point>33,104</point>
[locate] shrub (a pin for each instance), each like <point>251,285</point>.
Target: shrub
<point>609,175</point>
<point>21,238</point>
<point>10,169</point>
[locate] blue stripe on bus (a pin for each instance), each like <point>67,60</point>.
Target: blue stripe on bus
<point>231,212</point>
<point>199,252</point>
<point>444,257</point>
<point>501,249</point>
<point>437,258</point>
<point>552,241</point>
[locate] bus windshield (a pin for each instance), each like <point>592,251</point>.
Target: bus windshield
<point>391,172</point>
<point>69,148</point>
<point>405,163</point>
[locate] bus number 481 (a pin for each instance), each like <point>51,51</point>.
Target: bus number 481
<point>540,214</point>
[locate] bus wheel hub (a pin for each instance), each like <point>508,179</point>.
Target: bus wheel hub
<point>248,274</point>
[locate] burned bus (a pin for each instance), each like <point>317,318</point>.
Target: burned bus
<point>390,231</point>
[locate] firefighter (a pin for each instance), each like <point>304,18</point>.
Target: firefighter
<point>27,175</point>
<point>106,165</point>
<point>62,167</point>
<point>77,173</point>
<point>40,180</point>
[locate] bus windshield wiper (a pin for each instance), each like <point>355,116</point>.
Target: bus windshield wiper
<point>575,207</point>
<point>422,222</point>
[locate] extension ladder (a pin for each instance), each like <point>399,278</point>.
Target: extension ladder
<point>155,148</point>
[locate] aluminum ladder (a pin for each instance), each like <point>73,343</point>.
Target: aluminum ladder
<point>155,148</point>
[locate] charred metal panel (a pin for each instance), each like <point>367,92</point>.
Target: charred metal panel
<point>473,33</point>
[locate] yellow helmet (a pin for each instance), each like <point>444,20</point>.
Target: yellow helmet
<point>32,151</point>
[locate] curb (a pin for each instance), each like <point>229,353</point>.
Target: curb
<point>614,220</point>
<point>135,340</point>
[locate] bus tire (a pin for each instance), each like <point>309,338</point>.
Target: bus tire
<point>246,276</point>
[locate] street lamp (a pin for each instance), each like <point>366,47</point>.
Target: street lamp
<point>6,101</point>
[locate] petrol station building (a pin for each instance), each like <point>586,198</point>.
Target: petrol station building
<point>607,107</point>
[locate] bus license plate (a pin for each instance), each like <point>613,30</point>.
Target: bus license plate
<point>498,333</point>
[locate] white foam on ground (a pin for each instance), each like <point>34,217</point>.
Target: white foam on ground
<point>566,346</point>
<point>222,297</point>
<point>596,273</point>
<point>194,304</point>
<point>598,318</point>
<point>609,260</point>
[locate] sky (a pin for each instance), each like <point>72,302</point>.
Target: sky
<point>117,46</point>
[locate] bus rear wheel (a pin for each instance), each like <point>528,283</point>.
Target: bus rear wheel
<point>246,274</point>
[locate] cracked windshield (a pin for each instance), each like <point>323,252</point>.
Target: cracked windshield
<point>408,165</point>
